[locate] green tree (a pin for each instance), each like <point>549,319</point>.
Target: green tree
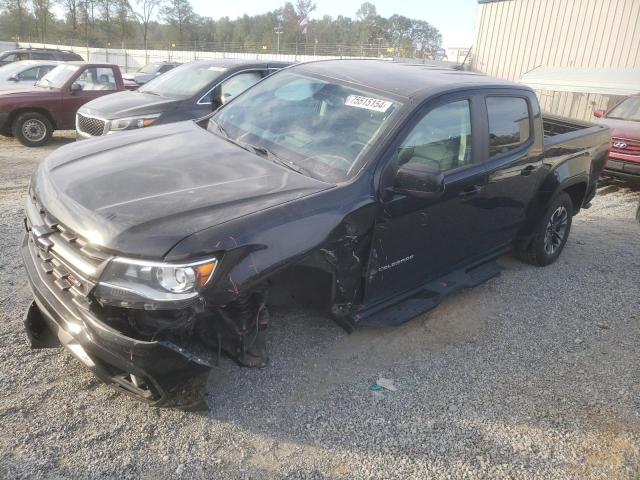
<point>16,18</point>
<point>180,15</point>
<point>145,11</point>
<point>43,16</point>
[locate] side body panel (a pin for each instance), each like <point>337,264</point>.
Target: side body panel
<point>71,101</point>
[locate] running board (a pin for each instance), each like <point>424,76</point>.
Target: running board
<point>427,298</point>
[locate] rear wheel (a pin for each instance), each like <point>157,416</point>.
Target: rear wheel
<point>551,233</point>
<point>32,129</point>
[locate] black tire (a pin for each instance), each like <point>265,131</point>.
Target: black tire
<point>551,233</point>
<point>32,129</point>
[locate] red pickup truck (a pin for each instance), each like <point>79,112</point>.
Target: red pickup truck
<point>624,122</point>
<point>32,114</point>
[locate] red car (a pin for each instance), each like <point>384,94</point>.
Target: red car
<point>31,114</point>
<point>624,121</point>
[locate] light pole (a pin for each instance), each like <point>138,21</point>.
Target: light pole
<point>278,31</point>
<point>379,42</point>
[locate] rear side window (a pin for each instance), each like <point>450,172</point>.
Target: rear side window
<point>509,124</point>
<point>69,56</point>
<point>41,56</point>
<point>239,83</point>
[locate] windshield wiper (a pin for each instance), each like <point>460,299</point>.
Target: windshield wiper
<point>262,151</point>
<point>268,154</point>
<point>224,132</point>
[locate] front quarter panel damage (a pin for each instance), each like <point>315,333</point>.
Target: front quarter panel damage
<point>330,232</point>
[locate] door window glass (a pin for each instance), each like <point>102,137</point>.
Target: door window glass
<point>12,57</point>
<point>30,74</point>
<point>93,79</point>
<point>41,56</point>
<point>239,83</point>
<point>441,139</point>
<point>44,70</point>
<point>509,123</point>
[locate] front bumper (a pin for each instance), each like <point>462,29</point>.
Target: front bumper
<point>158,372</point>
<point>622,168</point>
<point>4,121</point>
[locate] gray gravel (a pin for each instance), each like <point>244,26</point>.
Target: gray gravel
<point>531,375</point>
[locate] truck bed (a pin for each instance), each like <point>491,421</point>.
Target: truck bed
<point>560,130</point>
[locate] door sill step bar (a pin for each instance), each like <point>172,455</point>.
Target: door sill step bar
<point>426,298</point>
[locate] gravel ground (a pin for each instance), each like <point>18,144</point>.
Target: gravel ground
<point>531,375</point>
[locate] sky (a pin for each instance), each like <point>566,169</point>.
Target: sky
<point>454,18</point>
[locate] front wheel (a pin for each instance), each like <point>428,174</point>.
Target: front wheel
<point>551,233</point>
<point>32,129</point>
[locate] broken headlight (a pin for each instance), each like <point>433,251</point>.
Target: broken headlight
<point>134,283</point>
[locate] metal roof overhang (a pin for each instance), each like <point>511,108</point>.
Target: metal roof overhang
<point>605,81</point>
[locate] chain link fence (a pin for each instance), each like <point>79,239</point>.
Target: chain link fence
<point>130,57</point>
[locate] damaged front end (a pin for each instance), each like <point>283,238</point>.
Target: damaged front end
<point>140,326</point>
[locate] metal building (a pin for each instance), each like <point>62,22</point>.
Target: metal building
<point>514,37</point>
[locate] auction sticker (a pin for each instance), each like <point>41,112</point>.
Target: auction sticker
<point>369,103</point>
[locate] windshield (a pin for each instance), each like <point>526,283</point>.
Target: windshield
<point>183,81</point>
<point>57,77</point>
<point>629,109</point>
<point>150,68</point>
<point>323,128</point>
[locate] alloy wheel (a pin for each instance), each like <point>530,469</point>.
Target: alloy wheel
<point>556,230</point>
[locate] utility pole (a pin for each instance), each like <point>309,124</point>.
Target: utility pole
<point>278,31</point>
<point>379,43</point>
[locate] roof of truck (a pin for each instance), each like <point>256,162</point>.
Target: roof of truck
<point>401,79</point>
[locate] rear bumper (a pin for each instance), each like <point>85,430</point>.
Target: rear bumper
<point>157,372</point>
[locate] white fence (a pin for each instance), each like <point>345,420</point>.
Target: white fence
<point>131,60</point>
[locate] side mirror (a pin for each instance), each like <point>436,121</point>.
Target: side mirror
<point>76,87</point>
<point>419,180</point>
<point>599,113</point>
<point>225,97</point>
<point>15,77</point>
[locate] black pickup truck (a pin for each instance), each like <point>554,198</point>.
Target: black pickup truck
<point>370,188</point>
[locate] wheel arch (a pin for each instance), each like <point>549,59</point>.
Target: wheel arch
<point>43,111</point>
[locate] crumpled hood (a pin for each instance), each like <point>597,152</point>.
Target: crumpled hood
<point>127,104</point>
<point>140,192</point>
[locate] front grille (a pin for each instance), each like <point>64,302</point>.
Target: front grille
<point>67,261</point>
<point>90,125</point>
<point>631,147</point>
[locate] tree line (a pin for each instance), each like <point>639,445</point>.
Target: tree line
<point>174,24</point>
